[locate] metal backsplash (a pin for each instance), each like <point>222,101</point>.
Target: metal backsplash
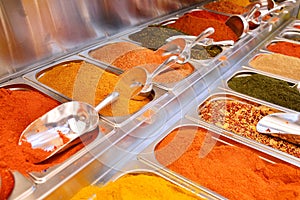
<point>33,32</point>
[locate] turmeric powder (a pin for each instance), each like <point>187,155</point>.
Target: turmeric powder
<point>86,82</point>
<point>138,186</point>
<point>242,3</point>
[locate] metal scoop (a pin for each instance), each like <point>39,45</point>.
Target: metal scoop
<point>205,42</point>
<point>145,86</point>
<point>239,24</point>
<point>283,125</point>
<point>255,22</point>
<point>185,55</point>
<point>271,3</point>
<point>58,129</point>
<point>181,54</point>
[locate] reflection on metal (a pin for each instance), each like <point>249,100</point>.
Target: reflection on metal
<point>34,31</point>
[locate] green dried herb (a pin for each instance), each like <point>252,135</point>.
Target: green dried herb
<point>268,89</point>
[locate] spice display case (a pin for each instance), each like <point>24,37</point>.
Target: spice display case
<point>128,136</point>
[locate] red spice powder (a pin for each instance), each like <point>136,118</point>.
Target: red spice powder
<point>17,110</point>
<point>297,26</point>
<point>192,25</point>
<point>7,183</point>
<point>226,7</point>
<point>286,48</point>
<point>63,137</point>
<point>209,15</point>
<point>233,172</point>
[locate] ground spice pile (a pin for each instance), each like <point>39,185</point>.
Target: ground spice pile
<point>83,81</point>
<point>192,25</point>
<point>109,52</point>
<point>231,171</point>
<point>18,110</point>
<point>150,60</point>
<point>286,48</point>
<point>278,64</point>
<point>136,186</point>
<point>226,6</point>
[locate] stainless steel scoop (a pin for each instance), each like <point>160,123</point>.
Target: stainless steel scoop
<point>255,22</point>
<point>271,3</point>
<point>180,54</point>
<point>283,125</point>
<point>68,121</point>
<point>145,86</point>
<point>185,55</point>
<point>240,24</point>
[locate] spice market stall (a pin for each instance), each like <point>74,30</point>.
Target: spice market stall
<point>193,137</point>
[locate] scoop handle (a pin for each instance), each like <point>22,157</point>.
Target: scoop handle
<point>107,100</point>
<point>162,67</point>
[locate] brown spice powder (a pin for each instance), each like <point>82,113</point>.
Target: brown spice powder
<point>282,65</point>
<point>108,53</point>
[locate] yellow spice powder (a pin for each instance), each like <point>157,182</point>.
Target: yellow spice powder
<point>141,186</point>
<point>243,3</point>
<point>86,82</point>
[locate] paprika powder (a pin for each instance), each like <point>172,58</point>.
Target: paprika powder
<point>235,172</point>
<point>18,108</point>
<point>192,25</point>
<point>286,48</point>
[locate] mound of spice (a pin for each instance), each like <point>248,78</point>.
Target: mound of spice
<point>297,26</point>
<point>153,37</point>
<point>150,60</point>
<point>7,183</point>
<point>232,171</point>
<point>226,6</point>
<point>282,65</point>
<point>268,89</point>
<point>209,15</point>
<point>136,186</point>
<point>108,53</point>
<point>286,48</point>
<point>86,82</point>
<point>192,25</point>
<point>18,109</point>
<point>241,117</point>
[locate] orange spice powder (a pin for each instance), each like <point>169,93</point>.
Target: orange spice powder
<point>231,171</point>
